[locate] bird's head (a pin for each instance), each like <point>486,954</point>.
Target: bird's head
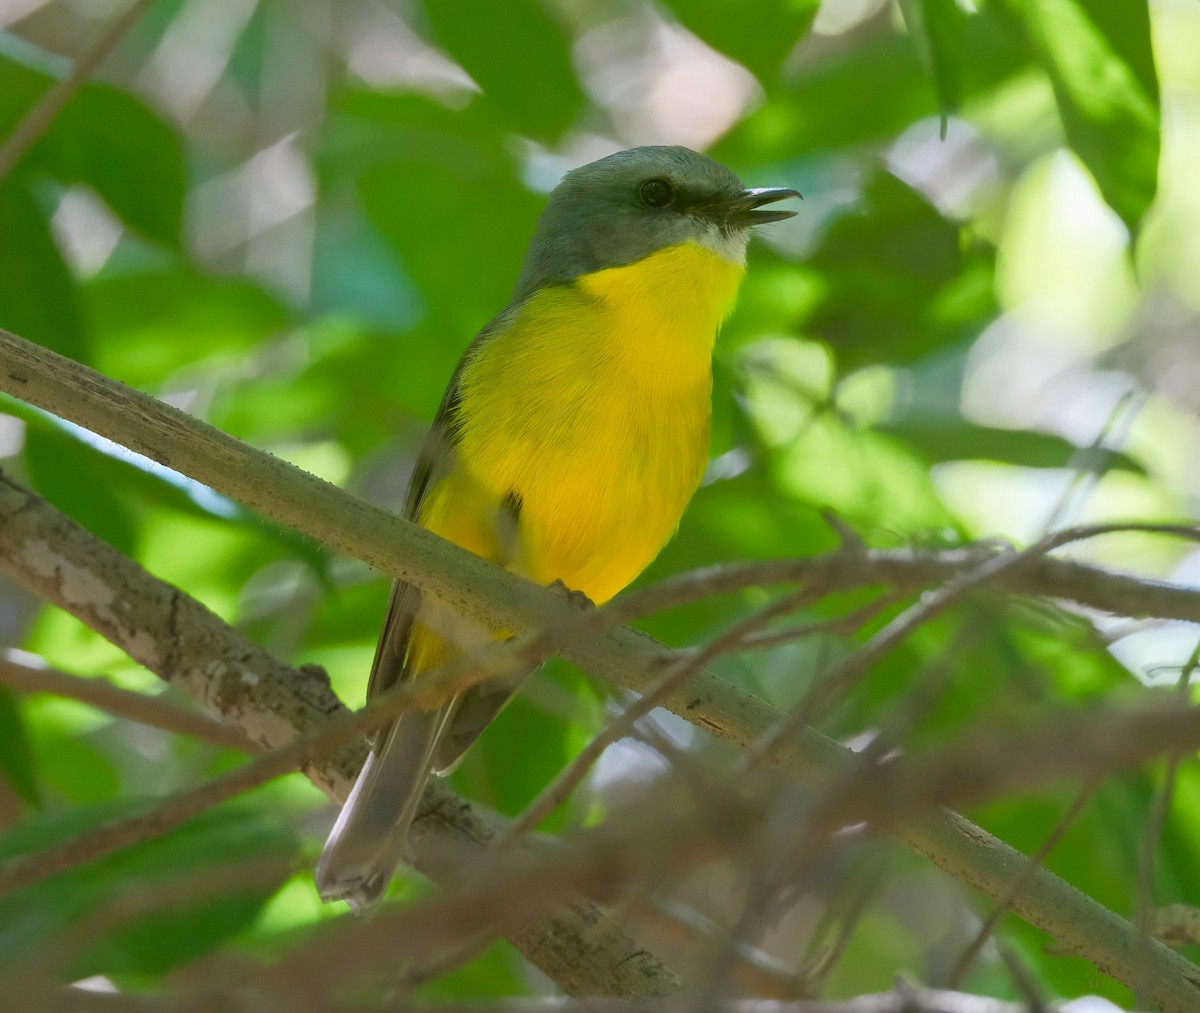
<point>622,208</point>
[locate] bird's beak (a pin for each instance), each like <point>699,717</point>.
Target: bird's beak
<point>743,209</point>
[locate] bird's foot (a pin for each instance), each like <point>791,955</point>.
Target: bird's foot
<point>576,599</point>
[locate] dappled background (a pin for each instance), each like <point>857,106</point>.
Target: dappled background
<point>290,218</point>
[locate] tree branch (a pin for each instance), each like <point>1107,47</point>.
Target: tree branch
<point>902,1000</point>
<point>180,640</point>
<point>121,703</point>
<point>480,590</point>
<point>497,598</point>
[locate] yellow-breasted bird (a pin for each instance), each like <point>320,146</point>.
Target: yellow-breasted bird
<point>571,437</point>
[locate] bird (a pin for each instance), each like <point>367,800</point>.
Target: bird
<point>570,438</point>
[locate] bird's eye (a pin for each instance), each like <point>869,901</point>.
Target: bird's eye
<point>656,193</point>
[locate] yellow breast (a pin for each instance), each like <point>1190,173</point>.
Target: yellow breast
<point>589,416</point>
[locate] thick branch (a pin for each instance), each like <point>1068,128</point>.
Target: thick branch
<point>497,598</point>
<point>473,587</point>
<point>179,639</point>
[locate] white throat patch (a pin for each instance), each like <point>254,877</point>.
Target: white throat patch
<point>730,246</point>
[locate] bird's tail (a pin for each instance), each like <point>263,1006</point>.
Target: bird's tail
<point>370,836</point>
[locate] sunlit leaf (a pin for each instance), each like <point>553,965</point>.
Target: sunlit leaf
<point>955,440</point>
<point>151,322</point>
<point>1099,57</point>
<point>518,54</point>
<point>38,297</point>
<point>937,28</point>
<point>866,92</point>
<point>761,34</point>
<point>17,764</point>
<point>83,484</point>
<point>149,907</point>
<point>106,139</point>
<point>899,282</point>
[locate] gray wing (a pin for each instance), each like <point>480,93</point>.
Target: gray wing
<point>371,833</point>
<point>472,710</point>
<point>434,460</point>
<point>370,836</point>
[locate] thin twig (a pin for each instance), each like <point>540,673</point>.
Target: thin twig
<point>646,845</point>
<point>122,703</point>
<point>910,569</point>
<point>932,604</point>
<point>494,597</point>
<point>1152,834</point>
<point>857,664</point>
<point>949,840</point>
<point>1023,978</point>
<point>843,626</point>
<point>1087,461</point>
<point>552,796</point>
<point>42,114</point>
<point>342,730</point>
<point>865,887</point>
<point>761,974</point>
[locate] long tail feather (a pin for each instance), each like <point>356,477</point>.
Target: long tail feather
<point>370,836</point>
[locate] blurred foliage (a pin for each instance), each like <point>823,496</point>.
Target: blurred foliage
<point>149,908</point>
<point>291,219</point>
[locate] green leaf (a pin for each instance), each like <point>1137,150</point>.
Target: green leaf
<point>147,908</point>
<point>899,283</point>
<point>16,757</point>
<point>82,483</point>
<point>518,55</point>
<point>826,106</point>
<point>1099,58</point>
<point>112,143</point>
<point>444,191</point>
<point>1011,658</point>
<point>25,72</point>
<point>866,92</point>
<point>73,767</point>
<point>39,299</point>
<point>499,972</point>
<point>150,322</point>
<point>937,28</point>
<point>940,439</point>
<point>106,139</point>
<point>759,34</point>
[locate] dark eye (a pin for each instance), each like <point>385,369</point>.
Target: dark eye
<point>656,193</point>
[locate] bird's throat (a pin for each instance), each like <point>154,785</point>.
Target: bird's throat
<point>679,296</point>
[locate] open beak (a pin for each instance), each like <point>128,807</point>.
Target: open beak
<point>741,210</point>
<point>744,209</point>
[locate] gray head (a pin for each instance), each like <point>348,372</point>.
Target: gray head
<point>624,207</point>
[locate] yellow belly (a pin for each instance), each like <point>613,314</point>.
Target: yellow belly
<point>589,416</point>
